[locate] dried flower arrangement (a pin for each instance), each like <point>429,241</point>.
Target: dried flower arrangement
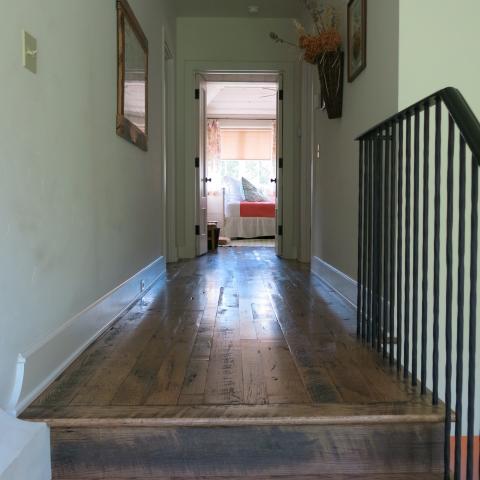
<point>322,48</point>
<point>326,38</point>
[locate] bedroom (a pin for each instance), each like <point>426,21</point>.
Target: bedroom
<point>241,154</point>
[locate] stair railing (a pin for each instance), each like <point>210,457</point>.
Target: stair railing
<point>417,255</point>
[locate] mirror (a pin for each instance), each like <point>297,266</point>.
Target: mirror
<point>132,88</point>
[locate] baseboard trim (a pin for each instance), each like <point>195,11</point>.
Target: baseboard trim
<point>46,360</point>
<point>345,286</point>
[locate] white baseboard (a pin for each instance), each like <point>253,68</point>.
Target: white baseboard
<point>341,283</point>
<point>45,361</point>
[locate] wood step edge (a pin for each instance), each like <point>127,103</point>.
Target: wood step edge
<point>237,422</point>
<point>234,415</point>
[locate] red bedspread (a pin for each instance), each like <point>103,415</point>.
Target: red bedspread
<point>257,209</point>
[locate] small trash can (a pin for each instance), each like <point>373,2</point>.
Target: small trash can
<point>213,236</point>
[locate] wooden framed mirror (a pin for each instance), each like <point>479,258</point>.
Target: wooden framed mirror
<point>132,78</point>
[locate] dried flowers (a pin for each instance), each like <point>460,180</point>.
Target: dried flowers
<point>326,38</point>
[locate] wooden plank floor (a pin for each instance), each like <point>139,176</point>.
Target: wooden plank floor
<point>237,328</point>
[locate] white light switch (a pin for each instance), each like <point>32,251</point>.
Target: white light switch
<point>29,52</point>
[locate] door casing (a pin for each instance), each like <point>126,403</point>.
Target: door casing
<point>201,79</point>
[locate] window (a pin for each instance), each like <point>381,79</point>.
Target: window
<point>240,148</point>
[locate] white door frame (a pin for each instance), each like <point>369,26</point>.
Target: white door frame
<point>201,187</point>
<point>276,77</point>
<point>168,170</point>
<point>279,171</point>
<point>307,163</point>
<point>186,146</point>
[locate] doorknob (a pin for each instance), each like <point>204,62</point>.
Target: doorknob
<point>207,179</point>
<point>273,180</point>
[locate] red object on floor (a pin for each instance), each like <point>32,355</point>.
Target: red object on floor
<point>476,452</point>
<point>257,209</point>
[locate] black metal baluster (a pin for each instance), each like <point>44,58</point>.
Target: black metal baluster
<point>408,175</point>
<point>472,331</point>
<point>370,242</point>
<point>386,232</point>
<point>379,255</point>
<point>448,313</point>
<point>393,229</point>
<point>460,313</point>
<point>416,208</point>
<point>375,244</point>
<point>436,247</point>
<point>426,206</point>
<point>360,237</point>
<point>365,240</point>
<point>399,245</point>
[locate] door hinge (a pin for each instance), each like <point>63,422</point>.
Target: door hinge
<point>197,162</point>
<point>197,229</point>
<point>280,230</point>
<point>280,94</point>
<point>197,93</point>
<point>280,162</point>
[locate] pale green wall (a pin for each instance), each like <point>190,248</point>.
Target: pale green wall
<point>80,208</point>
<point>439,48</point>
<point>234,43</point>
<point>414,49</point>
<point>372,97</point>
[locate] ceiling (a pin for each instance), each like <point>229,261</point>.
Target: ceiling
<point>238,8</point>
<point>257,100</point>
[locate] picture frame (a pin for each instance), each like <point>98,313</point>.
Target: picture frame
<point>357,38</point>
<point>132,78</point>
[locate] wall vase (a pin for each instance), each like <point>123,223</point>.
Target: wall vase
<point>330,69</point>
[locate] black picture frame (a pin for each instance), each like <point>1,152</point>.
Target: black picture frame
<point>356,38</point>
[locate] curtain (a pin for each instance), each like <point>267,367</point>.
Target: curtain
<point>246,144</point>
<point>213,148</point>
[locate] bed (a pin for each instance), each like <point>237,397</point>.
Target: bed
<point>244,219</point>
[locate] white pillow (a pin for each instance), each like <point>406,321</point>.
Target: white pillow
<point>234,189</point>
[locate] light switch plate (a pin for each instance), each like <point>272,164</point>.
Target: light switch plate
<point>29,52</point>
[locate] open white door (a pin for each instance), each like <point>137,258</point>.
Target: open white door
<point>279,179</point>
<point>201,167</point>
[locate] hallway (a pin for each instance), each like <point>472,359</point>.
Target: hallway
<point>238,327</point>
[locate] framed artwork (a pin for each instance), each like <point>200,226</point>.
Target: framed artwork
<point>357,38</point>
<point>132,78</point>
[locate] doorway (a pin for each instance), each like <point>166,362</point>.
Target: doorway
<point>239,160</point>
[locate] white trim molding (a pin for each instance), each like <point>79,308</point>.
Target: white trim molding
<point>341,283</point>
<point>46,360</point>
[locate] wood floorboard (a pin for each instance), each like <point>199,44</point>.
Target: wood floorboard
<point>240,327</point>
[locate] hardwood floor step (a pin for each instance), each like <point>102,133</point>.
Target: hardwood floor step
<point>239,365</point>
<point>403,476</point>
<point>125,452</point>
